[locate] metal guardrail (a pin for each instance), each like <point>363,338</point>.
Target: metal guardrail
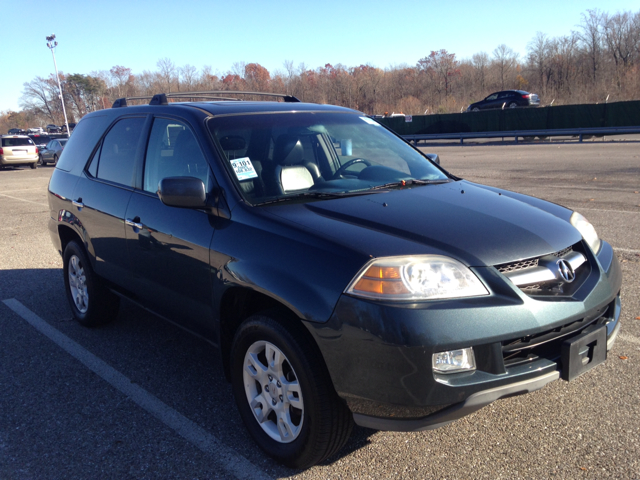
<point>561,132</point>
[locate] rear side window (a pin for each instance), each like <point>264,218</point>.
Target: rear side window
<point>84,139</point>
<point>118,151</point>
<point>16,142</point>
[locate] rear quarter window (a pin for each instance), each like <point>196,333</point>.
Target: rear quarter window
<point>84,139</point>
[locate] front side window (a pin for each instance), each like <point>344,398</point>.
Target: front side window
<point>276,156</point>
<point>173,151</point>
<point>118,152</point>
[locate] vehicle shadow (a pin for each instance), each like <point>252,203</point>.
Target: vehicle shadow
<point>180,369</point>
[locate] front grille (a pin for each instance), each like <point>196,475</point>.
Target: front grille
<point>512,267</point>
<point>530,262</point>
<point>549,288</point>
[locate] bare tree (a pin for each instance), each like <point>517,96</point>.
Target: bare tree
<point>591,39</point>
<point>505,60</point>
<point>538,57</point>
<point>167,73</point>
<point>480,62</point>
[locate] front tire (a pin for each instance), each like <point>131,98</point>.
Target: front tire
<point>41,162</point>
<point>284,393</point>
<point>91,302</point>
<point>55,160</point>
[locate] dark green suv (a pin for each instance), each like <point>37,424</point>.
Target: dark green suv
<point>341,274</point>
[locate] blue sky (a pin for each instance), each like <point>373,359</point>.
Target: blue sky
<point>96,36</point>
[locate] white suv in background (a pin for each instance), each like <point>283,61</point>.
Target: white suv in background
<point>18,150</point>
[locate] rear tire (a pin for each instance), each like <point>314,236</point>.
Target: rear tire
<point>513,105</point>
<point>284,392</point>
<point>33,165</point>
<point>91,302</point>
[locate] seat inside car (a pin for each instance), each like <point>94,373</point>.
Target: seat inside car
<point>293,172</point>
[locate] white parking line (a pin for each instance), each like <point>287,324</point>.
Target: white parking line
<point>626,250</point>
<point>23,200</point>
<point>233,463</point>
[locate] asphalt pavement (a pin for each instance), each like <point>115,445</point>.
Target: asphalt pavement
<point>140,398</point>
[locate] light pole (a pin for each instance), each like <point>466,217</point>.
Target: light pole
<point>51,43</point>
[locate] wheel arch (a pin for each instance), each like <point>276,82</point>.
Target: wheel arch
<point>239,303</point>
<point>67,235</point>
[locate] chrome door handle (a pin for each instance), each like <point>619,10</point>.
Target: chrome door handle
<point>133,224</point>
<point>77,203</point>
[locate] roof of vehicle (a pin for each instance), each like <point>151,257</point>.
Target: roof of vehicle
<point>220,106</point>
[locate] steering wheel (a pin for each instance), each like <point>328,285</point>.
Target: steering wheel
<point>344,167</point>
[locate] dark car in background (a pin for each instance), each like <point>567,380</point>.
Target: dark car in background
<point>51,128</point>
<point>506,99</point>
<point>16,131</point>
<point>63,128</point>
<point>40,140</point>
<point>52,151</point>
<point>341,274</point>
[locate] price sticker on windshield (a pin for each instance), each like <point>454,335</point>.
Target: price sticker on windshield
<point>244,168</point>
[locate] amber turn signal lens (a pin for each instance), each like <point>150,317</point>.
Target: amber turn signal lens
<point>382,272</point>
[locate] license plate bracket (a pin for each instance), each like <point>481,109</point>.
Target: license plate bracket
<point>583,352</point>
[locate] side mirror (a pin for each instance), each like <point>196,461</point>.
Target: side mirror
<point>185,192</point>
<point>433,157</point>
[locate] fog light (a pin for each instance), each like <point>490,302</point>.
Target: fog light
<point>454,361</point>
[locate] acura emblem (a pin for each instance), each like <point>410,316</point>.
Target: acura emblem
<point>566,272</point>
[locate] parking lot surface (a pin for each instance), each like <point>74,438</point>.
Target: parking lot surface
<point>140,398</point>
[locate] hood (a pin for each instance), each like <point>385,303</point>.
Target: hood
<point>479,227</point>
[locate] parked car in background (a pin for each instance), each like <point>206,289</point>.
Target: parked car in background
<point>18,150</point>
<point>63,128</point>
<point>51,153</point>
<point>506,99</point>
<point>342,274</point>
<point>16,131</point>
<point>35,131</point>
<point>40,140</point>
<point>51,128</point>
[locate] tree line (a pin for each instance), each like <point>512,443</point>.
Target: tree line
<point>598,62</point>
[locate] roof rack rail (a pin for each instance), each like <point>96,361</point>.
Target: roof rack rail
<point>162,98</point>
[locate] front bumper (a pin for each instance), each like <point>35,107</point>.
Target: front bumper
<point>380,355</point>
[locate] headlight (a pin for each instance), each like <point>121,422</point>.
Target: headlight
<point>423,277</point>
<point>586,230</point>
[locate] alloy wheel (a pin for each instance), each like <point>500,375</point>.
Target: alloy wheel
<point>78,284</point>
<point>273,392</point>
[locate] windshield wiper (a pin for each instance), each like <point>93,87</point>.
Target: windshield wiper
<point>403,183</point>
<point>314,194</point>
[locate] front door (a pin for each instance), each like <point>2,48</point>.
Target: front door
<point>169,246</point>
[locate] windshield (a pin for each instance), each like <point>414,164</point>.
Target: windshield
<point>280,156</point>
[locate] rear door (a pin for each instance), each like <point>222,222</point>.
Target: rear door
<point>102,194</point>
<point>169,247</point>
